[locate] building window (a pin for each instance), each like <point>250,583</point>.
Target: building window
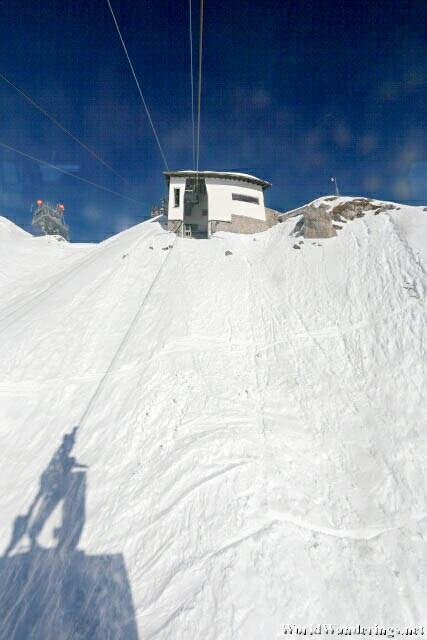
<point>205,212</point>
<point>242,198</point>
<point>176,197</point>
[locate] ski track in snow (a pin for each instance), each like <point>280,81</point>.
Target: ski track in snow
<point>253,427</point>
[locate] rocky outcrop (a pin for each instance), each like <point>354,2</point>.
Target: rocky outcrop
<point>324,220</point>
<point>357,208</point>
<point>318,223</point>
<point>315,223</point>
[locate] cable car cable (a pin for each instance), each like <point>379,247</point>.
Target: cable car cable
<point>200,86</point>
<point>68,173</point>
<point>137,84</point>
<point>192,85</point>
<point>124,341</point>
<point>58,124</point>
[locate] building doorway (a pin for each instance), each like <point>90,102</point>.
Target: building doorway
<point>195,208</point>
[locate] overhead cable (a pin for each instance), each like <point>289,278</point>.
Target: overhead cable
<point>124,341</point>
<point>68,173</point>
<point>137,84</point>
<point>192,84</point>
<point>200,85</point>
<point>58,124</point>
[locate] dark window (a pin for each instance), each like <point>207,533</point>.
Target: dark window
<point>176,195</point>
<point>242,198</point>
<point>205,212</point>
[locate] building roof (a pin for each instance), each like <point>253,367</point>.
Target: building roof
<point>228,175</point>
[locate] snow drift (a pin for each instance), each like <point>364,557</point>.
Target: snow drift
<point>250,447</point>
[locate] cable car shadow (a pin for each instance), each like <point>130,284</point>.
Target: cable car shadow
<point>46,594</point>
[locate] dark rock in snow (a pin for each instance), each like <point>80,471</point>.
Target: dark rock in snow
<point>357,208</point>
<point>317,223</point>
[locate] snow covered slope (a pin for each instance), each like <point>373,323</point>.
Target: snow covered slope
<point>253,427</point>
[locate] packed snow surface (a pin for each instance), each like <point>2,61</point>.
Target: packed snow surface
<point>251,447</point>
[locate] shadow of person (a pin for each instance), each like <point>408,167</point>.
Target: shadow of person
<point>61,592</point>
<point>57,483</point>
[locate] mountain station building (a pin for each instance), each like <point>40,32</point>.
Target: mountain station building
<point>203,202</point>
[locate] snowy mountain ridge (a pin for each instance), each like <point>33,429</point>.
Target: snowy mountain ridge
<point>250,447</point>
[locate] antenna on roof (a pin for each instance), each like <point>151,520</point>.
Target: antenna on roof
<point>336,186</point>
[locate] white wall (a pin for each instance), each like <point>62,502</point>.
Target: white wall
<point>176,213</point>
<point>221,204</point>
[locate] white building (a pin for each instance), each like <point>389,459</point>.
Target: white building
<point>208,201</point>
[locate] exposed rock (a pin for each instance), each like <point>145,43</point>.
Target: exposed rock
<point>299,228</point>
<point>296,246</point>
<point>357,208</point>
<point>322,222</point>
<point>228,253</point>
<point>315,223</point>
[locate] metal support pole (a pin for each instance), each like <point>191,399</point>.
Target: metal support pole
<point>336,186</point>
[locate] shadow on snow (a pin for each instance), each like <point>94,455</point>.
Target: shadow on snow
<point>46,594</point>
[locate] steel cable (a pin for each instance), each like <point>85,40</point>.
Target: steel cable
<point>137,84</point>
<point>58,124</point>
<point>68,173</point>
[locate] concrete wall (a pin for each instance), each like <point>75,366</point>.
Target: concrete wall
<point>176,213</point>
<point>243,224</point>
<point>222,206</point>
<point>240,224</point>
<point>271,217</point>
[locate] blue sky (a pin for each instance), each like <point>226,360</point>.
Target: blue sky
<point>293,92</point>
